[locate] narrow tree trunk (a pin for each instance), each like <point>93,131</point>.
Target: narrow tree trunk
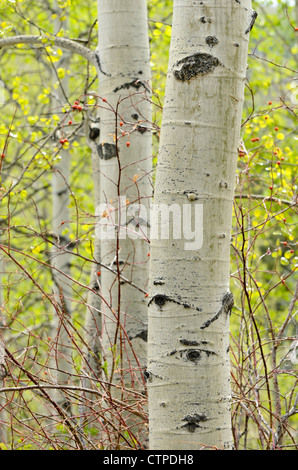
<point>125,187</point>
<point>61,272</point>
<point>92,371</point>
<point>93,313</point>
<point>189,307</point>
<point>61,261</point>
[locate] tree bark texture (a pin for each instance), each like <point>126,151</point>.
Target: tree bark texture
<point>124,151</point>
<point>189,302</point>
<point>61,260</point>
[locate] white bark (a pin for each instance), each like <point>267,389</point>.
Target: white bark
<point>188,366</point>
<point>123,54</point>
<point>93,312</point>
<point>61,260</point>
<point>91,369</point>
<point>61,263</point>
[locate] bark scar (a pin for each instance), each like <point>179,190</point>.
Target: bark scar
<point>136,83</point>
<point>106,151</point>
<point>99,65</point>
<point>161,299</point>
<point>188,342</point>
<point>193,421</point>
<point>252,22</point>
<point>211,41</point>
<point>227,305</point>
<point>193,65</point>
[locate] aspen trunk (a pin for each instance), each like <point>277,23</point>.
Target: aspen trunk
<point>125,188</point>
<point>61,261</point>
<point>189,307</point>
<point>93,313</point>
<point>91,369</point>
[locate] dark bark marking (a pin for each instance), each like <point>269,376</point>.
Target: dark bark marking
<point>136,83</point>
<point>142,334</point>
<point>227,305</point>
<point>193,421</point>
<point>142,129</point>
<point>205,19</point>
<point>99,65</point>
<point>172,352</point>
<point>161,299</point>
<point>106,151</point>
<point>147,376</point>
<point>120,262</point>
<point>188,342</point>
<point>94,133</point>
<point>209,353</point>
<point>158,282</point>
<point>95,286</point>
<point>212,41</point>
<point>63,191</point>
<point>193,65</point>
<point>193,355</point>
<point>223,184</point>
<point>252,22</point>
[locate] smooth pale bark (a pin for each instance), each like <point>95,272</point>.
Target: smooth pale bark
<point>124,84</point>
<point>61,260</point>
<point>93,313</point>
<point>91,368</point>
<point>189,303</point>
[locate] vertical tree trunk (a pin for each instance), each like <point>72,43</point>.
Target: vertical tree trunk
<point>189,307</point>
<point>125,188</point>
<point>93,324</point>
<point>62,264</point>
<point>61,261</point>
<point>93,313</point>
